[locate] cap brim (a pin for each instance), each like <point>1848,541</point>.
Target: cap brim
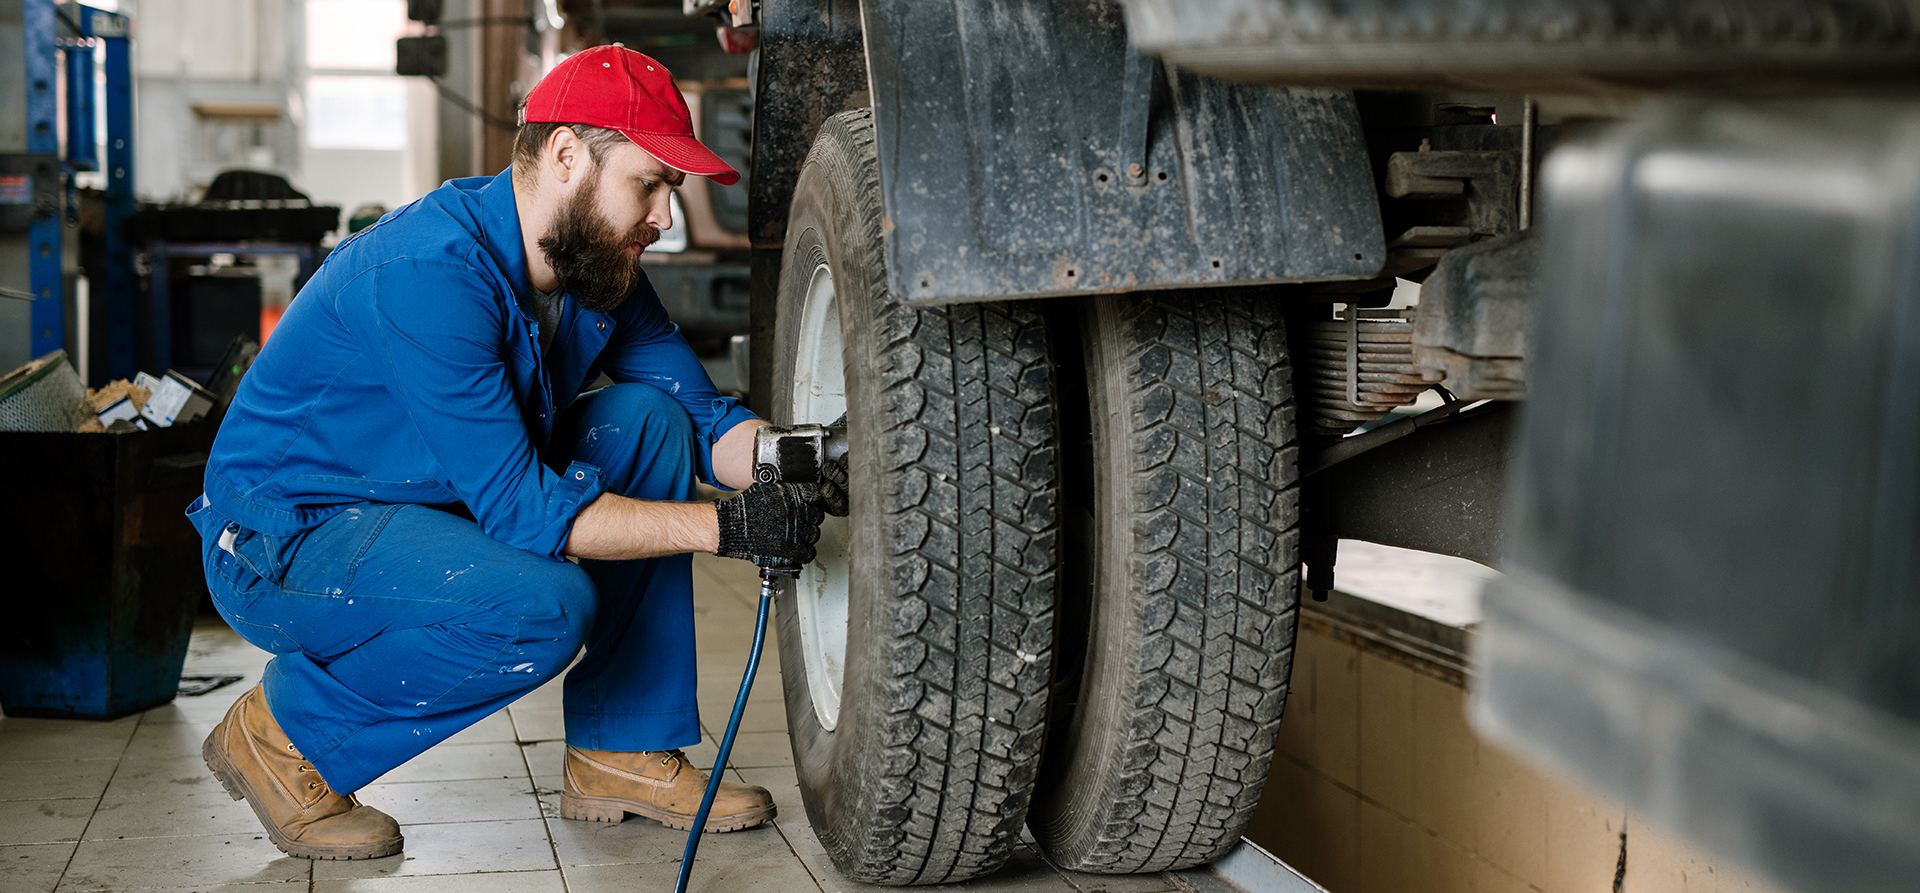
<point>684,153</point>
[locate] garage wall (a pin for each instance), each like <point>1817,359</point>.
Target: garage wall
<point>195,62</point>
<point>369,134</point>
<point>201,64</point>
<point>1380,786</point>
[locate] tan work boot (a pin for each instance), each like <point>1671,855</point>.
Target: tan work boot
<point>605,785</point>
<point>305,818</point>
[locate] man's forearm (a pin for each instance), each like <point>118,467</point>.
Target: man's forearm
<point>733,455</point>
<point>616,528</point>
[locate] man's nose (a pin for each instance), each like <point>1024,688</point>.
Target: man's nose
<point>660,215</point>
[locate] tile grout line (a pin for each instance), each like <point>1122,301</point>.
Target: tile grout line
<point>95,811</point>
<point>818,882</point>
<point>753,603</point>
<point>791,850</point>
<point>546,822</point>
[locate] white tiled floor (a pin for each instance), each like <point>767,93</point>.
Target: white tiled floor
<point>128,805</point>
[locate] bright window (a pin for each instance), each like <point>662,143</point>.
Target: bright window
<point>354,34</point>
<point>356,112</point>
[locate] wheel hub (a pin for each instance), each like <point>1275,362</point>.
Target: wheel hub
<point>820,592</point>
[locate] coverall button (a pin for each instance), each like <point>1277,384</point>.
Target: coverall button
<point>579,475</point>
<point>602,324</point>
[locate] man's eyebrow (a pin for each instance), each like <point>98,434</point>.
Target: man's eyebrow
<point>669,175</point>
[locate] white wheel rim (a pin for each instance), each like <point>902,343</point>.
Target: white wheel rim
<point>820,593</point>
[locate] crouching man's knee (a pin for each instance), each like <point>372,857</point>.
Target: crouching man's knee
<point>558,612</point>
<point>661,418</point>
<point>640,437</point>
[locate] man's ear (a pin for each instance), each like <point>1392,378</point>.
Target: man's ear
<point>564,156</point>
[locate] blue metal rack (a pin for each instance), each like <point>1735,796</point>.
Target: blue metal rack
<point>122,286</point>
<point>43,138</point>
<point>70,35</point>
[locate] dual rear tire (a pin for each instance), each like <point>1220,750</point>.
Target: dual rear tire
<point>929,681</point>
<point>1170,714</point>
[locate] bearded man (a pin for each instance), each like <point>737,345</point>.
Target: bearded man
<point>403,474</point>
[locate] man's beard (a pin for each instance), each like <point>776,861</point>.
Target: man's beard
<point>588,257</point>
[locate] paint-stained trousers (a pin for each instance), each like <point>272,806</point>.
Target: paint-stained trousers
<point>395,626</point>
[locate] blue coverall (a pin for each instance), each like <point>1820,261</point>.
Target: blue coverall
<point>404,389</point>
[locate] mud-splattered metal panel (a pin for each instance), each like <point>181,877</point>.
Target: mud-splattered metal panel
<point>1009,135</point>
<point>1711,604</point>
<point>1537,46</point>
<point>810,68</point>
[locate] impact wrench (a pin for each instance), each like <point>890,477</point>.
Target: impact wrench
<point>780,454</point>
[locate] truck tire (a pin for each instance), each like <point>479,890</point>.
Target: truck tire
<point>917,736</point>
<point>1193,591</point>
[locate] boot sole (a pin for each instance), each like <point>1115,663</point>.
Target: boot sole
<point>237,788</point>
<point>611,809</point>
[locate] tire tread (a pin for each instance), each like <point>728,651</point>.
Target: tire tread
<point>966,400</point>
<point>1211,466</point>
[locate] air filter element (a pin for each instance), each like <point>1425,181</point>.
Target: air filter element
<point>44,395</point>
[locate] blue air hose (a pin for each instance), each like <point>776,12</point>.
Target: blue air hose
<point>767,575</point>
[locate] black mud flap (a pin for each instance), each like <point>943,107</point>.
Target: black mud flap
<point>1027,150</point>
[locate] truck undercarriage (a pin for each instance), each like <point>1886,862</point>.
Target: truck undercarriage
<point>1115,300</point>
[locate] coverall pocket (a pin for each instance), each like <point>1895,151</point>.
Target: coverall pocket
<point>267,556</point>
<point>234,583</point>
<point>222,543</point>
<point>329,555</point>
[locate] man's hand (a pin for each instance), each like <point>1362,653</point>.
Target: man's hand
<point>779,521</point>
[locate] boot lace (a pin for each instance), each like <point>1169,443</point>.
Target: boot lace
<point>315,784</point>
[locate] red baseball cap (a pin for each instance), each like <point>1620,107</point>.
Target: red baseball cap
<point>619,89</point>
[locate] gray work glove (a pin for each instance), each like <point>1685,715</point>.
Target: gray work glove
<point>833,488</point>
<point>772,521</point>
